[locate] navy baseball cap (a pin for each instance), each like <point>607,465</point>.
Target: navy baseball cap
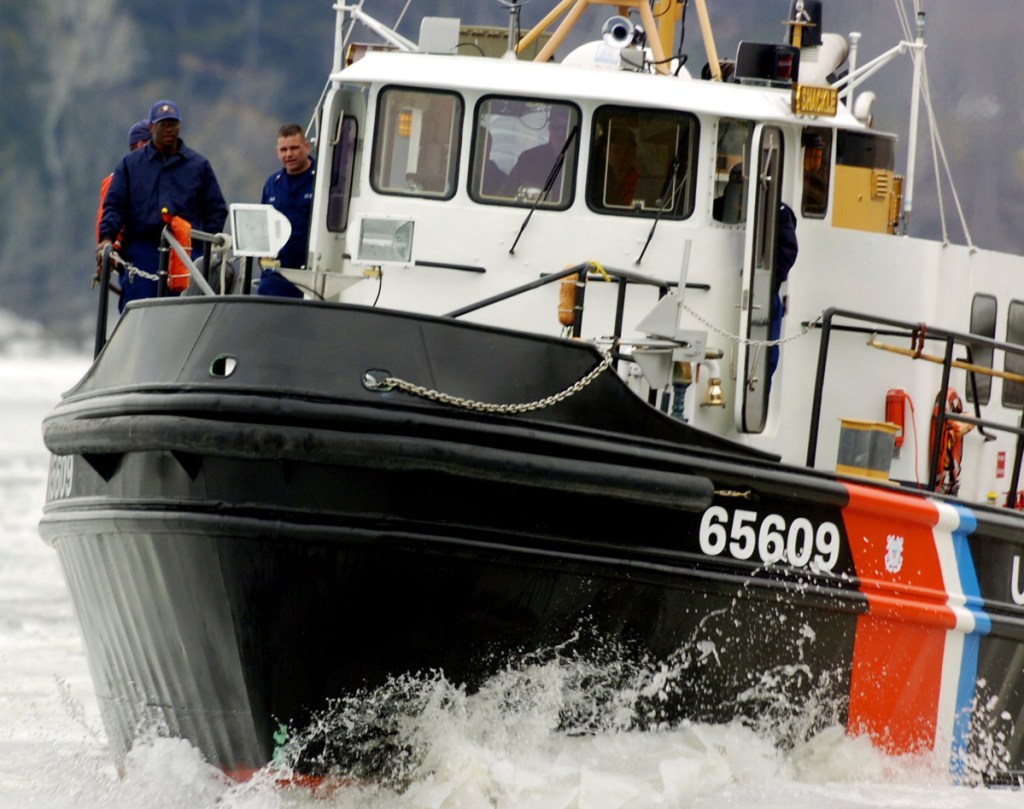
<point>163,111</point>
<point>139,131</point>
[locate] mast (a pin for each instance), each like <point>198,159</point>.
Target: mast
<point>709,40</point>
<point>573,9</point>
<point>915,103</point>
<point>668,13</point>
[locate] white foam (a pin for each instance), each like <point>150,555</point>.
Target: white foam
<point>499,749</point>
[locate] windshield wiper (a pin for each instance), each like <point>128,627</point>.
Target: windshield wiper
<point>669,177</point>
<point>543,195</point>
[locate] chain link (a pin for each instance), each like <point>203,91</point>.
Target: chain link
<point>745,340</point>
<point>392,382</point>
<point>131,270</point>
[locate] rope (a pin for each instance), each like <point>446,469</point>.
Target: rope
<point>391,382</point>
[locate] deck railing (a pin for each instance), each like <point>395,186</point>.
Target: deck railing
<point>840,320</point>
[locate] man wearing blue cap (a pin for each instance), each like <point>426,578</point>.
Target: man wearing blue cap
<point>164,175</point>
<point>138,136</point>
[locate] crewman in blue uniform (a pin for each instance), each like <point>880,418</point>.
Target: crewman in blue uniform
<point>165,174</point>
<point>786,249</point>
<point>290,190</point>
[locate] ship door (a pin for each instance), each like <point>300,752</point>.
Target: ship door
<point>337,155</point>
<point>757,299</point>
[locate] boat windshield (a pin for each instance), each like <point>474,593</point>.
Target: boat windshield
<point>731,170</point>
<point>519,143</point>
<point>817,146</point>
<point>640,162</point>
<point>416,145</point>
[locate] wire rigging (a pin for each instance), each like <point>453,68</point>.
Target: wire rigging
<point>940,161</point>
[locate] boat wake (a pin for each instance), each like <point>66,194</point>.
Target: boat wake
<point>553,732</point>
<point>560,725</point>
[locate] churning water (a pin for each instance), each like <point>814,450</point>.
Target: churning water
<point>551,734</point>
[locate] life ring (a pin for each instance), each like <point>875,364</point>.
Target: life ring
<point>947,473</point>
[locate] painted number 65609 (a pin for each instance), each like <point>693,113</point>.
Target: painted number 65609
<point>747,534</point>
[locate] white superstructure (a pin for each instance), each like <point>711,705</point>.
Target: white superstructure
<point>423,204</point>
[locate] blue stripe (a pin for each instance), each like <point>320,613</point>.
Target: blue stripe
<point>982,626</point>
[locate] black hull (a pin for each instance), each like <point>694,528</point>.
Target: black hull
<point>243,549</point>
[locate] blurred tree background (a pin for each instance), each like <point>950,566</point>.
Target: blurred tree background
<point>75,75</point>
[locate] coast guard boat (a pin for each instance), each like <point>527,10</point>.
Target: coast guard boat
<point>554,382</point>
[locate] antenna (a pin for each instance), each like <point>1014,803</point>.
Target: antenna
<point>514,7</point>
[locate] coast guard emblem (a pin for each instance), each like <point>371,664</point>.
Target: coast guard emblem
<point>893,553</point>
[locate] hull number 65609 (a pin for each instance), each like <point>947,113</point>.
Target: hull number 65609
<point>748,534</point>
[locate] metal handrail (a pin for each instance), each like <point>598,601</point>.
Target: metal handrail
<point>922,332</point>
<point>624,276</point>
<point>221,241</point>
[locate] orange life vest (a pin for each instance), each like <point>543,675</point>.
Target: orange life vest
<point>177,272</point>
<point>951,442</point>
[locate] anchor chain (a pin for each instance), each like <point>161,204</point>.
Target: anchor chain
<point>391,382</point>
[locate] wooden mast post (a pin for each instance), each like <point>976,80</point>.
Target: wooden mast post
<point>709,40</point>
<point>575,8</point>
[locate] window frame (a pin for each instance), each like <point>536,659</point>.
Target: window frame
<point>718,213</point>
<point>982,355</point>
<point>570,168</point>
<point>381,133</point>
<point>824,171</point>
<point>595,183</point>
<point>1013,392</point>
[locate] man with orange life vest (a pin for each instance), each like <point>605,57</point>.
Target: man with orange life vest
<point>165,175</point>
<point>138,136</point>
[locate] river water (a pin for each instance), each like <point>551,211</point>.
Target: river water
<point>498,748</point>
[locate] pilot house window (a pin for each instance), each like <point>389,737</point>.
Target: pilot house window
<point>731,170</point>
<point>524,152</point>
<point>817,146</point>
<point>416,145</point>
<point>640,162</point>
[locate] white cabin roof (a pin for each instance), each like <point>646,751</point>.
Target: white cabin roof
<point>554,80</point>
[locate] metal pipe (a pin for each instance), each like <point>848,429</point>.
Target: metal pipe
<point>934,464</point>
<point>167,238</point>
<point>854,43</point>
<point>381,30</point>
<point>915,103</point>
<point>101,314</point>
<point>164,259</point>
<point>1018,451</point>
<point>819,386</point>
<point>339,39</point>
<point>870,68</point>
<point>580,291</point>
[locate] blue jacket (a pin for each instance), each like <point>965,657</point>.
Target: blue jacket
<point>293,196</point>
<point>786,249</point>
<point>144,184</point>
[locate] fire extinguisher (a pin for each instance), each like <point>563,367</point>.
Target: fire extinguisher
<point>895,409</point>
